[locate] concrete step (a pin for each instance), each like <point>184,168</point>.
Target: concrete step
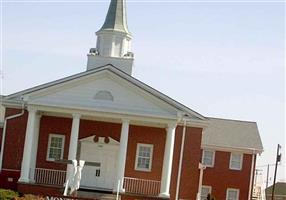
<point>96,195</point>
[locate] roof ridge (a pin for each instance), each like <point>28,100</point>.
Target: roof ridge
<point>235,120</point>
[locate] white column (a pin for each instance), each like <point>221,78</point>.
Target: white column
<point>73,140</point>
<point>122,153</point>
<point>29,140</point>
<point>168,161</point>
<point>201,168</point>
<point>35,146</point>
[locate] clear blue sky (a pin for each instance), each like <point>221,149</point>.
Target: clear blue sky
<point>221,59</point>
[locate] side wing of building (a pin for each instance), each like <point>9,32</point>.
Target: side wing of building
<point>230,148</point>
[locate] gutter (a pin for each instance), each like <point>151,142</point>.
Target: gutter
<point>4,132</point>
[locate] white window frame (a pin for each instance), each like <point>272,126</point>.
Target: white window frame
<point>137,156</point>
<point>49,146</point>
<point>206,186</point>
<point>230,161</point>
<point>213,157</point>
<point>232,189</point>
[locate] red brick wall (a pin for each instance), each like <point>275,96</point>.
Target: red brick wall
<point>13,149</point>
<point>62,126</point>
<point>1,133</point>
<point>220,177</point>
<point>9,179</point>
<point>101,129</point>
<point>52,125</point>
<point>15,139</point>
<point>146,135</point>
<point>192,155</point>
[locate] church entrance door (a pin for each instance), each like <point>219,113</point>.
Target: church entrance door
<point>103,177</point>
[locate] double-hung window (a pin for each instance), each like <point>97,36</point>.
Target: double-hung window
<point>55,147</point>
<point>236,161</point>
<point>232,194</point>
<point>205,191</point>
<point>208,158</point>
<point>144,156</point>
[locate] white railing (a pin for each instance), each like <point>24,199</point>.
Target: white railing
<point>48,176</point>
<point>141,186</point>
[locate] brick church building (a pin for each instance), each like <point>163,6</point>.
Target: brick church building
<point>146,144</point>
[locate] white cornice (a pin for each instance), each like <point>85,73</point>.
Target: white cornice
<point>232,149</point>
<point>105,114</point>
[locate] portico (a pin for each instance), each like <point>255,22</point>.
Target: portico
<point>32,138</point>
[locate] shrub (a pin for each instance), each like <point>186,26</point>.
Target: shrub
<point>7,194</point>
<point>29,197</point>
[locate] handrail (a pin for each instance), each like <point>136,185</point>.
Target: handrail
<point>141,186</point>
<point>48,176</point>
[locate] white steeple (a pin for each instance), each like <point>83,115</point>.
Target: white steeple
<point>113,41</point>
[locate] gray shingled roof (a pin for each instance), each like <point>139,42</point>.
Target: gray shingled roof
<point>232,134</point>
<point>116,17</point>
<point>280,189</point>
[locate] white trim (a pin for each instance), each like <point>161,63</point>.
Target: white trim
<point>49,145</point>
<point>207,186</point>
<point>104,113</point>
<point>12,170</point>
<point>229,149</point>
<point>241,161</point>
<point>213,157</point>
<point>151,146</point>
<point>154,118</point>
<point>232,189</point>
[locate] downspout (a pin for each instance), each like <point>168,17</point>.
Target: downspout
<point>251,177</point>
<point>4,132</point>
<point>181,161</point>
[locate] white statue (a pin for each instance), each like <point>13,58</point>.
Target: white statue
<point>74,185</point>
<point>73,182</point>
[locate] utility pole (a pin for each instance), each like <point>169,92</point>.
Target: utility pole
<point>267,176</point>
<point>278,159</point>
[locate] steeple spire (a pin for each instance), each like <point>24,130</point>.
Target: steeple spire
<point>116,17</point>
<point>113,41</point>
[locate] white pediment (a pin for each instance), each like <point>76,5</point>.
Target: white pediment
<point>103,92</point>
